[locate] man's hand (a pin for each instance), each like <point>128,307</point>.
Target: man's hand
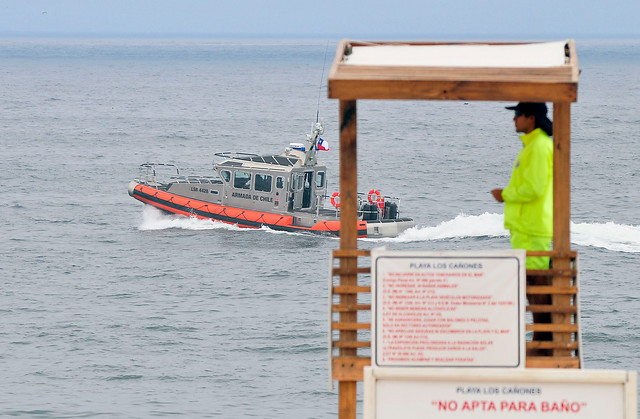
<point>497,194</point>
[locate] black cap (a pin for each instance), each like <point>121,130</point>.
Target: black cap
<point>530,108</point>
<point>537,109</point>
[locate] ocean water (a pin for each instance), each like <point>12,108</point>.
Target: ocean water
<point>112,309</point>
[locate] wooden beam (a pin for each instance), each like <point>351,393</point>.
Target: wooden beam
<point>553,253</point>
<point>451,90</point>
<point>561,177</point>
<point>352,345</point>
<point>349,369</point>
<point>561,215</point>
<point>338,289</point>
<point>341,308</point>
<point>551,289</point>
<point>348,177</point>
<point>360,270</point>
<point>348,243</point>
<point>553,345</point>
<point>350,326</point>
<point>550,308</point>
<point>350,253</point>
<point>552,327</point>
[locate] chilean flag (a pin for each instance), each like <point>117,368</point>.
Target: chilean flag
<point>322,145</point>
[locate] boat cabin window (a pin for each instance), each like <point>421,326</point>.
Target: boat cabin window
<point>226,175</point>
<point>320,180</point>
<point>242,180</point>
<point>263,183</point>
<point>299,181</point>
<point>279,182</point>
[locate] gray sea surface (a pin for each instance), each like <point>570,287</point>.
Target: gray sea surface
<point>112,309</point>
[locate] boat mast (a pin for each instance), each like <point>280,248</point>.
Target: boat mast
<point>312,141</point>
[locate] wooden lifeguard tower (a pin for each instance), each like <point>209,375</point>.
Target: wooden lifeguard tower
<point>528,72</point>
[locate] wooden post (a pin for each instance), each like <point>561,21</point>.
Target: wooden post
<point>561,213</point>
<point>348,241</point>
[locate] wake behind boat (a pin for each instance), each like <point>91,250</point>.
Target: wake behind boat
<point>286,192</point>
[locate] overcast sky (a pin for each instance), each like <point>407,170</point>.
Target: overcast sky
<point>421,19</point>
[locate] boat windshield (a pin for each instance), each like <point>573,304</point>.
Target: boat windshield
<point>242,180</point>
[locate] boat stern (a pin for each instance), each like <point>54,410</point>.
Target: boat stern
<point>388,228</point>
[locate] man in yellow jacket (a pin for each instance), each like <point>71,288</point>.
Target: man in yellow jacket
<point>528,198</point>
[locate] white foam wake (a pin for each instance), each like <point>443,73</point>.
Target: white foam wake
<point>610,236</point>
<point>485,225</point>
<point>154,219</point>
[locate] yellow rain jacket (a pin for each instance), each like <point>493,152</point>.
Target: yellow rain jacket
<point>529,196</point>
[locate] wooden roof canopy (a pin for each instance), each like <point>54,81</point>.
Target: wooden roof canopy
<point>527,72</point>
<point>516,71</point>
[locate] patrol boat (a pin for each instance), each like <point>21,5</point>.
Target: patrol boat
<point>286,192</point>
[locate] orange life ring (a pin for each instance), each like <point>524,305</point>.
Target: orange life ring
<point>333,199</point>
<point>373,192</point>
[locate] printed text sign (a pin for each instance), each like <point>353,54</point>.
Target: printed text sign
<point>449,309</point>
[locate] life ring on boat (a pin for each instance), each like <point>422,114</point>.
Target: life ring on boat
<point>333,199</point>
<point>375,197</point>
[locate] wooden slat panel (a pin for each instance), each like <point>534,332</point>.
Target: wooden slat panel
<point>360,270</point>
<point>552,272</point>
<point>553,345</point>
<point>552,327</point>
<point>350,326</point>
<point>339,289</point>
<point>351,344</point>
<point>341,308</point>
<point>552,362</point>
<point>550,289</point>
<point>549,308</point>
<point>554,253</point>
<point>349,368</point>
<point>342,253</point>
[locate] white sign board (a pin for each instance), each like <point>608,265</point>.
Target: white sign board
<point>448,309</point>
<point>492,393</point>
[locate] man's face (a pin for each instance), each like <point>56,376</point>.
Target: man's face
<point>524,124</point>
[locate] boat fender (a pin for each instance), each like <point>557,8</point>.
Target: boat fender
<point>374,196</point>
<point>335,202</point>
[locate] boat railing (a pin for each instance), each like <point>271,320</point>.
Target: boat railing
<point>234,155</point>
<point>155,174</point>
<point>383,208</point>
<point>163,174</point>
<point>196,179</point>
